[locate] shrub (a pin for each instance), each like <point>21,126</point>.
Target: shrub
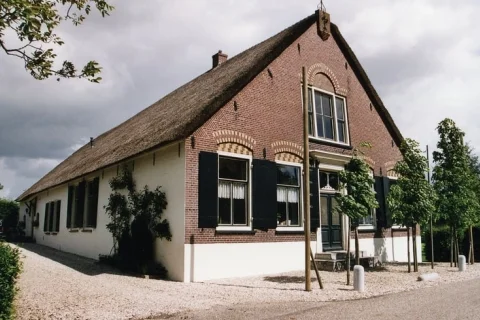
<point>10,267</point>
<point>442,242</point>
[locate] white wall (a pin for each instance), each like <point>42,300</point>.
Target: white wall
<point>227,260</point>
<point>390,249</point>
<point>168,172</point>
<point>87,244</point>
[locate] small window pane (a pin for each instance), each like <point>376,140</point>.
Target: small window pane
<point>282,213</point>
<point>328,128</point>
<point>239,211</point>
<point>323,180</point>
<point>320,126</point>
<point>340,109</point>
<point>293,214</point>
<point>318,103</point>
<point>324,211</point>
<point>234,169</point>
<point>333,180</point>
<point>224,216</point>
<point>327,105</point>
<point>310,102</point>
<point>335,216</point>
<point>341,131</point>
<point>288,175</point>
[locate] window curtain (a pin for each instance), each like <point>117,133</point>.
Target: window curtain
<point>290,195</point>
<point>225,187</point>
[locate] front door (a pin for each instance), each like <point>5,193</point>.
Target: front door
<point>331,223</point>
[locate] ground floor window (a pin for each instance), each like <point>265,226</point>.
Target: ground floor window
<point>232,191</point>
<point>288,195</point>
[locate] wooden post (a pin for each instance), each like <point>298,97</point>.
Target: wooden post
<point>431,215</point>
<point>306,182</point>
<point>316,270</point>
<point>408,249</point>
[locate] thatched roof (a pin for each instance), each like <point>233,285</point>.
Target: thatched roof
<point>180,113</point>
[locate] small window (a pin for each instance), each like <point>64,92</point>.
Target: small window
<point>232,192</point>
<point>52,216</point>
<point>288,196</point>
<point>329,181</point>
<point>82,204</point>
<point>327,116</point>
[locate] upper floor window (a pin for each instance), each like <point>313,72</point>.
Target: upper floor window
<point>327,116</point>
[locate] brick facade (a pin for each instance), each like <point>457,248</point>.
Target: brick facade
<point>265,118</point>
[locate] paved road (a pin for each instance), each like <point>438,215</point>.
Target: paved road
<point>459,300</point>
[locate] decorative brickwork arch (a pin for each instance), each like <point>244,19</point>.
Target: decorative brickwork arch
<point>234,141</point>
<point>322,68</point>
<point>234,148</point>
<point>389,168</point>
<point>369,161</point>
<point>287,151</point>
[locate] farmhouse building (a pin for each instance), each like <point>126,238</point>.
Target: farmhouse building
<point>226,148</point>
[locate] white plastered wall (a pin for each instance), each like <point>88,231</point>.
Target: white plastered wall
<point>168,172</point>
<point>390,249</point>
<point>228,260</point>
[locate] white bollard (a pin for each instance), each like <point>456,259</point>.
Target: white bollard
<point>358,278</point>
<point>462,263</point>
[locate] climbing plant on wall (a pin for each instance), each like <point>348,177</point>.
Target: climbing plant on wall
<point>136,221</point>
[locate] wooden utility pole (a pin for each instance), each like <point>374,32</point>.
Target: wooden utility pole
<point>306,182</point>
<point>431,214</point>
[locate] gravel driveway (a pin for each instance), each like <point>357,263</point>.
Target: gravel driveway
<point>58,285</point>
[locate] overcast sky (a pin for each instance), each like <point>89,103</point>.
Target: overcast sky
<point>423,57</point>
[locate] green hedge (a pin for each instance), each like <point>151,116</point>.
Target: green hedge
<point>10,267</point>
<point>441,240</point>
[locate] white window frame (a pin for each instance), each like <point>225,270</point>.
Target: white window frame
<point>314,136</point>
<point>300,211</point>
<point>249,191</point>
<point>54,218</point>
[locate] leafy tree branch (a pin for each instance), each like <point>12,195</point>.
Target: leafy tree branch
<point>34,23</point>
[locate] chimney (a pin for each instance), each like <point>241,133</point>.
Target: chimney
<point>323,23</point>
<point>219,58</point>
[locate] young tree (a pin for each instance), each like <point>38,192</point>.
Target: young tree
<point>475,185</point>
<point>358,201</point>
<point>34,24</point>
<point>412,199</point>
<point>452,177</point>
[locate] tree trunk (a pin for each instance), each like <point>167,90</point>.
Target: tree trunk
<point>456,247</point>
<point>431,241</point>
<point>470,245</point>
<point>357,248</point>
<point>455,252</point>
<point>451,247</point>
<point>473,246</point>
<point>414,241</point>
<point>348,253</point>
<point>408,249</point>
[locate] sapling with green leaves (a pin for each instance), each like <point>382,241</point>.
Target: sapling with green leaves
<point>357,199</point>
<point>412,199</point>
<point>453,181</point>
<point>28,31</point>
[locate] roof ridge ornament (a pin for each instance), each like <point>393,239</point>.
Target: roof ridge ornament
<point>323,21</point>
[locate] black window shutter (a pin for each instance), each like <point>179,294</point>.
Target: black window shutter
<point>314,200</point>
<point>50,219</point>
<point>79,210</point>
<point>380,211</point>
<point>45,221</point>
<point>70,203</point>
<point>58,206</point>
<point>207,190</point>
<point>388,214</point>
<point>93,203</point>
<point>264,194</point>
